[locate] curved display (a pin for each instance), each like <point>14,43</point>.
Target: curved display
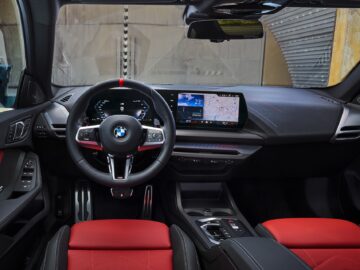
<point>211,109</point>
<point>193,109</point>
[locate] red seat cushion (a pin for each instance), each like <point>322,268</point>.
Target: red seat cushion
<point>120,244</point>
<point>120,234</point>
<point>314,232</point>
<point>330,259</point>
<point>324,244</point>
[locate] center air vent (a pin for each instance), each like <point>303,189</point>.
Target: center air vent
<point>56,116</point>
<point>349,126</point>
<point>59,129</point>
<point>65,99</point>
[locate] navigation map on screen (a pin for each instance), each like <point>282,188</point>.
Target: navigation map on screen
<point>208,108</point>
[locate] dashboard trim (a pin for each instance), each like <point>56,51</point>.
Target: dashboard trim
<point>202,150</point>
<point>217,134</point>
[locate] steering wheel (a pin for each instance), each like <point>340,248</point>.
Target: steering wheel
<point>120,137</point>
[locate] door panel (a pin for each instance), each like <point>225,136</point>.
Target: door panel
<point>22,201</point>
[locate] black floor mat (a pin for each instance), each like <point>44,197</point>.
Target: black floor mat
<point>106,207</point>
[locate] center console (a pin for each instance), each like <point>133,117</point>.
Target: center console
<point>211,212</point>
<point>222,234</point>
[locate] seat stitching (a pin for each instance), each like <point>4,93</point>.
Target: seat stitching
<point>328,259</point>
<point>311,258</point>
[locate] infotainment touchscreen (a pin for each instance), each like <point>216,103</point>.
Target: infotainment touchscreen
<point>208,109</point>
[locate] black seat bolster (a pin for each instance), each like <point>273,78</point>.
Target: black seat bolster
<point>185,256</point>
<point>184,251</point>
<point>56,251</point>
<point>254,253</point>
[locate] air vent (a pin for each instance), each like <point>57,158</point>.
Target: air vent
<point>348,136</point>
<point>63,126</point>
<point>60,133</point>
<point>65,99</point>
<point>59,130</point>
<point>349,133</point>
<point>349,126</point>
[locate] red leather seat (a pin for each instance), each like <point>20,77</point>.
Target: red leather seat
<point>323,243</point>
<point>120,244</point>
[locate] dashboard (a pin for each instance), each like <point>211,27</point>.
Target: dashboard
<point>267,115</point>
<point>221,127</point>
<point>191,109</point>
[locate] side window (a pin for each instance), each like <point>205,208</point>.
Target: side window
<point>12,60</point>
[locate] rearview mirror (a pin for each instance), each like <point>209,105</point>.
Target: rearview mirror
<point>220,30</point>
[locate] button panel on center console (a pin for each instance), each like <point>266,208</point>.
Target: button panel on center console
<point>219,229</point>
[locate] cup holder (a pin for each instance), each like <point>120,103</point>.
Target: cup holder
<point>195,214</point>
<point>223,213</point>
<point>209,212</point>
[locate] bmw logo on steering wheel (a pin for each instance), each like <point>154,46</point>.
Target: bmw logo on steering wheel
<point>120,132</point>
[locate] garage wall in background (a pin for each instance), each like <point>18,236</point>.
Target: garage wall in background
<point>346,49</point>
<point>305,37</point>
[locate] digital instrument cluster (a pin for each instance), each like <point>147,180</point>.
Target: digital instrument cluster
<point>127,102</point>
<point>206,110</point>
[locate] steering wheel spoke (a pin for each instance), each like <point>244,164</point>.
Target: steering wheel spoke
<point>154,138</point>
<point>87,137</point>
<point>120,168</point>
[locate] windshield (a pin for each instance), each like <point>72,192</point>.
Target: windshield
<point>301,47</point>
